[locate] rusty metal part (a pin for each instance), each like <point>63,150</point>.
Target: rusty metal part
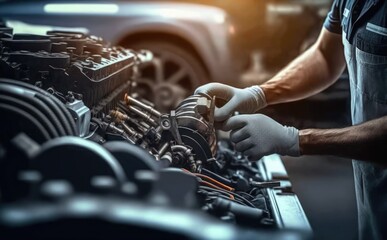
<point>118,116</point>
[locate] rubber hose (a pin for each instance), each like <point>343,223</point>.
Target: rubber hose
<point>24,115</point>
<point>55,104</point>
<point>38,115</point>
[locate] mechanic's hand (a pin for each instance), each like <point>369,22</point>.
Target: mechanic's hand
<point>247,100</point>
<point>258,135</point>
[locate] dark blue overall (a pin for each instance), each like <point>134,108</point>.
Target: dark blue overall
<point>363,25</point>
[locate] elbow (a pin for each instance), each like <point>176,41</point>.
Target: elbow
<point>330,47</point>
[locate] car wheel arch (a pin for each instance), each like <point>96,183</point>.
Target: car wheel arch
<point>133,37</point>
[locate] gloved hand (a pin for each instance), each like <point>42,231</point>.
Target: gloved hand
<point>258,135</point>
<point>247,100</point>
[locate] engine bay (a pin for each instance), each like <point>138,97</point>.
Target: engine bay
<point>83,155</point>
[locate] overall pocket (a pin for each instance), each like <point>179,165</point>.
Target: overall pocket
<point>371,70</point>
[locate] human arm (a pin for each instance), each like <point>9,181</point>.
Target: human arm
<point>313,71</point>
<point>257,135</point>
<point>366,141</point>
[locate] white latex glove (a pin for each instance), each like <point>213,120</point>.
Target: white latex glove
<point>247,100</point>
<point>258,135</point>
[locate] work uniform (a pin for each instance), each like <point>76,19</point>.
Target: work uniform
<point>363,25</point>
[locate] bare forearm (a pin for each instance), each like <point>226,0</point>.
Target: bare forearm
<point>304,77</point>
<point>310,73</point>
<point>367,141</point>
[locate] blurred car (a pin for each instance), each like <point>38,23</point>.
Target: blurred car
<point>278,29</point>
<point>191,42</point>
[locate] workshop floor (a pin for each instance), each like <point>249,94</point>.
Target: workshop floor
<point>324,185</point>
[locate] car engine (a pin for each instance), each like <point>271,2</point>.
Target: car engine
<point>83,156</point>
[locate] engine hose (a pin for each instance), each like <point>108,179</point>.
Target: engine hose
<point>38,128</point>
<point>46,110</point>
<point>53,103</point>
<point>42,111</point>
<point>54,118</point>
<point>34,112</point>
<point>240,211</point>
<point>234,194</point>
<point>60,111</point>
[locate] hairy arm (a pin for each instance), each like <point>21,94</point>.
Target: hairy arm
<point>313,71</point>
<point>366,141</point>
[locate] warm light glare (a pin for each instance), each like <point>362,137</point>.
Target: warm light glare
<point>219,18</point>
<point>231,29</point>
<point>176,13</point>
<point>284,9</point>
<point>84,8</point>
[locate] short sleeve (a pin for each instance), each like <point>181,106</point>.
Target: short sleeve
<point>333,20</point>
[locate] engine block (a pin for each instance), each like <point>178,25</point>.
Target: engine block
<point>80,151</point>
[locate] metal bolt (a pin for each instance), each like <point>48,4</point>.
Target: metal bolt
<point>166,123</point>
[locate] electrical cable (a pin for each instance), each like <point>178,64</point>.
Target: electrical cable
<point>223,193</point>
<point>244,193</point>
<point>224,186</point>
<point>221,189</point>
<point>234,194</point>
<point>213,186</point>
<point>210,192</point>
<point>216,176</point>
<point>213,181</point>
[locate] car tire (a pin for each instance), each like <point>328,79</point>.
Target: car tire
<point>173,75</point>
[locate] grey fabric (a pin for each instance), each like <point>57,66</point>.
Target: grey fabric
<point>363,25</point>
<point>368,78</point>
<point>367,68</point>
